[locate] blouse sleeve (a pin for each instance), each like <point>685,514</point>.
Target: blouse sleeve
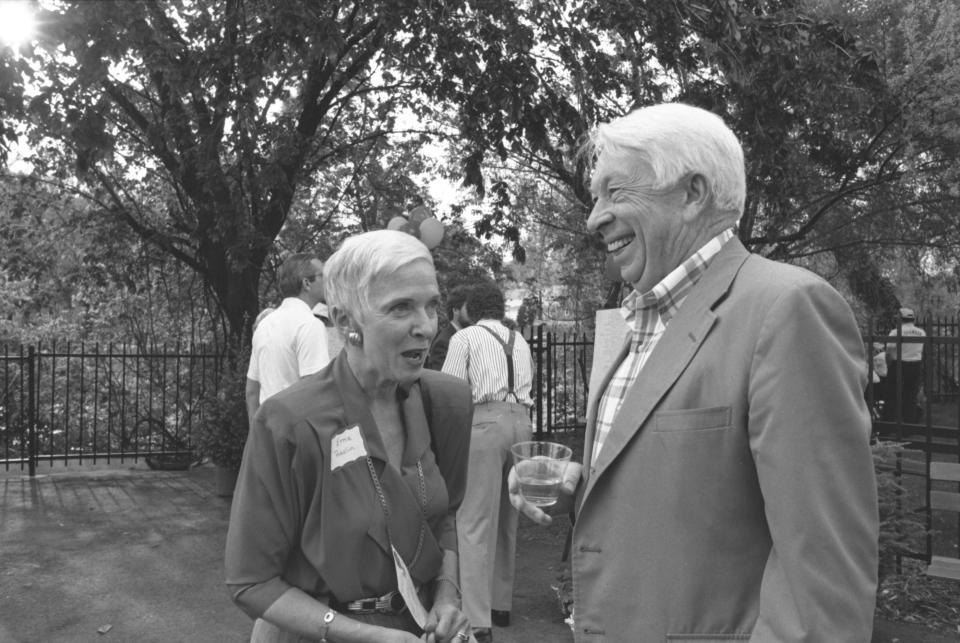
<point>263,517</point>
<point>450,409</point>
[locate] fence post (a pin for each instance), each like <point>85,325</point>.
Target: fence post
<point>32,411</point>
<point>540,383</point>
<point>551,373</point>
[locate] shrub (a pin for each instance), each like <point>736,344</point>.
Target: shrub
<point>223,432</point>
<point>900,530</point>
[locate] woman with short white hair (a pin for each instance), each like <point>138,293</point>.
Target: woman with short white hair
<point>343,521</point>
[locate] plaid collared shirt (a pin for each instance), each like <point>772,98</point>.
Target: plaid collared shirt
<point>647,315</point>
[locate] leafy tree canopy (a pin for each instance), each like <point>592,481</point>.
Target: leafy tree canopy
<point>847,112</point>
<point>204,125</point>
<point>225,132</point>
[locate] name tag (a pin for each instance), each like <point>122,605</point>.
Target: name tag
<point>345,447</point>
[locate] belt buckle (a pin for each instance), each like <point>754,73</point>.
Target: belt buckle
<point>396,604</point>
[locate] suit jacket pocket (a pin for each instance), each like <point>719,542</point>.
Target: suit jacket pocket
<point>714,417</point>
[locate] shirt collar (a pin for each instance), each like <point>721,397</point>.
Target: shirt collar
<point>670,292</point>
<point>295,302</point>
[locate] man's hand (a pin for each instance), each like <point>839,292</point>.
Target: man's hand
<point>568,485</point>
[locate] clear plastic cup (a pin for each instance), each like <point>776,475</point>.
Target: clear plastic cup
<point>539,468</point>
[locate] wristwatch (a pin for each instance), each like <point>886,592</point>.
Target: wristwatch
<point>327,620</point>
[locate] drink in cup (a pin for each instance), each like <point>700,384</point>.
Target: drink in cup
<point>539,468</point>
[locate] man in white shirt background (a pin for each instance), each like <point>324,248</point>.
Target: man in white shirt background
<point>905,367</point>
<point>290,342</point>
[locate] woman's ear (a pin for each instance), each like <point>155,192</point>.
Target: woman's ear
<point>342,320</point>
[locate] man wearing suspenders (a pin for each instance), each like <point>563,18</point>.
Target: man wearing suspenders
<point>497,364</point>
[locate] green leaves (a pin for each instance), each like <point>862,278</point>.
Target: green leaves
<point>224,132</point>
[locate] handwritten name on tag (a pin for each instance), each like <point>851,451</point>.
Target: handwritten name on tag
<point>345,447</point>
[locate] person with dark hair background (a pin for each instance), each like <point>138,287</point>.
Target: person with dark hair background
<point>456,320</point>
<point>497,363</point>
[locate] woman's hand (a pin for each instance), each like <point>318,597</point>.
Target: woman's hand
<point>444,623</point>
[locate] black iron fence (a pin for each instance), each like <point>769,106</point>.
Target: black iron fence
<point>77,403</point>
<point>96,404</point>
<point>92,403</point>
<point>923,417</point>
<point>562,373</point>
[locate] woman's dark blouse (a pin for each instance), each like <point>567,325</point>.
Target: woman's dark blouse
<point>295,522</point>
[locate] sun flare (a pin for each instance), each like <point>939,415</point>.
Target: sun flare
<point>16,22</point>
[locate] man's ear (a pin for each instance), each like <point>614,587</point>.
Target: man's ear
<point>696,196</point>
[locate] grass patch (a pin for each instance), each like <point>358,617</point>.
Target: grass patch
<point>910,596</point>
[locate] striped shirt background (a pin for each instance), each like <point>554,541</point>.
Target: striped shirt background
<point>647,316</point>
<point>474,355</point>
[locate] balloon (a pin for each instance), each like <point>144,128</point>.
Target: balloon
<point>610,269</point>
<point>431,232</point>
<point>410,228</point>
<point>396,223</point>
<point>418,214</point>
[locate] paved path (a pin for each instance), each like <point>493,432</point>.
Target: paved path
<point>137,554</point>
<point>133,555</point>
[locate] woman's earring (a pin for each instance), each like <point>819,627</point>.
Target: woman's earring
<point>354,338</point>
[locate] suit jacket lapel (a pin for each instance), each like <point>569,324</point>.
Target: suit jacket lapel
<point>680,342</point>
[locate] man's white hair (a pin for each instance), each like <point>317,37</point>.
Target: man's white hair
<point>360,260</point>
<point>677,140</point>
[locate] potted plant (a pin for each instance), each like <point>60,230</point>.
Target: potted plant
<point>223,431</point>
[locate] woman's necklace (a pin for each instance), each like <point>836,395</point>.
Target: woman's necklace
<point>422,485</point>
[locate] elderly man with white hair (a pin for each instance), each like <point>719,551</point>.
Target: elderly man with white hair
<point>727,490</point>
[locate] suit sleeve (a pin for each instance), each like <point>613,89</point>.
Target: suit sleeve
<point>809,436</point>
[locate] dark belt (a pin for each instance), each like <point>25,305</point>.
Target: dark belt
<point>389,603</point>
